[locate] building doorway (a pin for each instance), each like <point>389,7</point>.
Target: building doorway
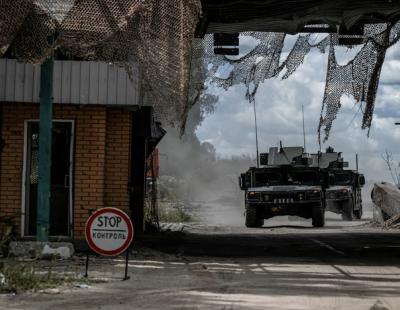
<point>61,178</point>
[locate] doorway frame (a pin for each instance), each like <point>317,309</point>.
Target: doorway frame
<point>71,178</point>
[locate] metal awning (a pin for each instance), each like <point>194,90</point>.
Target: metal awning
<point>157,133</point>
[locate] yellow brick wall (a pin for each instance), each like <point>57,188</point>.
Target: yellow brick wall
<point>101,158</point>
<point>117,163</point>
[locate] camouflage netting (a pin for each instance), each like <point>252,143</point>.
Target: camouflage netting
<point>155,33</point>
<point>158,35</point>
<point>359,78</point>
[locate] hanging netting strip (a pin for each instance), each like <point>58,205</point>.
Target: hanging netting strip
<point>359,78</point>
<point>158,34</point>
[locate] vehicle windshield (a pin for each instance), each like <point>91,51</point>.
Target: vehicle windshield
<point>285,177</point>
<point>343,178</point>
<point>303,178</point>
<point>267,178</point>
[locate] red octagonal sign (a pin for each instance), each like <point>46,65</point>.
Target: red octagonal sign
<point>109,231</point>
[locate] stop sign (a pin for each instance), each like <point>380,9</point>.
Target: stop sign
<point>109,231</point>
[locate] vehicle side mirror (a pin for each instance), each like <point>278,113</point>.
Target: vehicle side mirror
<point>264,159</point>
<point>242,182</point>
<point>361,180</point>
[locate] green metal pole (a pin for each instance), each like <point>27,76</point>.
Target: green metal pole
<point>45,143</point>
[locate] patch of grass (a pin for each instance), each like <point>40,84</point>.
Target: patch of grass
<point>18,277</point>
<point>174,215</point>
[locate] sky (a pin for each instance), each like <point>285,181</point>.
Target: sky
<point>231,127</point>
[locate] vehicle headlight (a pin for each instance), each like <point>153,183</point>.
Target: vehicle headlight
<point>315,194</point>
<point>345,192</point>
<point>253,195</point>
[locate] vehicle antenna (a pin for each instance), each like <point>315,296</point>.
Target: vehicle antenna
<point>304,131</point>
<point>319,157</point>
<point>357,162</point>
<point>256,130</point>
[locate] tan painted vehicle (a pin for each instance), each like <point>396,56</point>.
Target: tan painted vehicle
<point>295,183</point>
<point>286,185</point>
<point>283,190</point>
<point>344,195</point>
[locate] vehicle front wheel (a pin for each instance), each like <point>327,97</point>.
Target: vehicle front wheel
<point>252,221</point>
<point>358,214</point>
<point>318,216</point>
<point>347,211</point>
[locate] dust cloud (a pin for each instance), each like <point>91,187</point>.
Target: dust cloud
<point>195,178</point>
<point>204,184</point>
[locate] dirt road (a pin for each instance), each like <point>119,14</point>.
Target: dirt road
<point>282,266</point>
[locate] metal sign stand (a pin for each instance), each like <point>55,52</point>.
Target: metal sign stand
<point>126,277</point>
<point>86,265</point>
<point>111,225</point>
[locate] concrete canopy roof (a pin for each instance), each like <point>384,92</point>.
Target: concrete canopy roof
<point>291,16</point>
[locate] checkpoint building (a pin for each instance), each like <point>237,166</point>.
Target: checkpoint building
<point>100,141</point>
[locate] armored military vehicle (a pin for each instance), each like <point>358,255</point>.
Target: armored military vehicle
<point>287,184</point>
<point>344,196</point>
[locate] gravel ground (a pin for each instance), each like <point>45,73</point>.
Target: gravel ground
<point>285,265</point>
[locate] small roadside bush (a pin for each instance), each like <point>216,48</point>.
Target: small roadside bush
<point>174,215</point>
<point>18,277</point>
<point>8,233</point>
